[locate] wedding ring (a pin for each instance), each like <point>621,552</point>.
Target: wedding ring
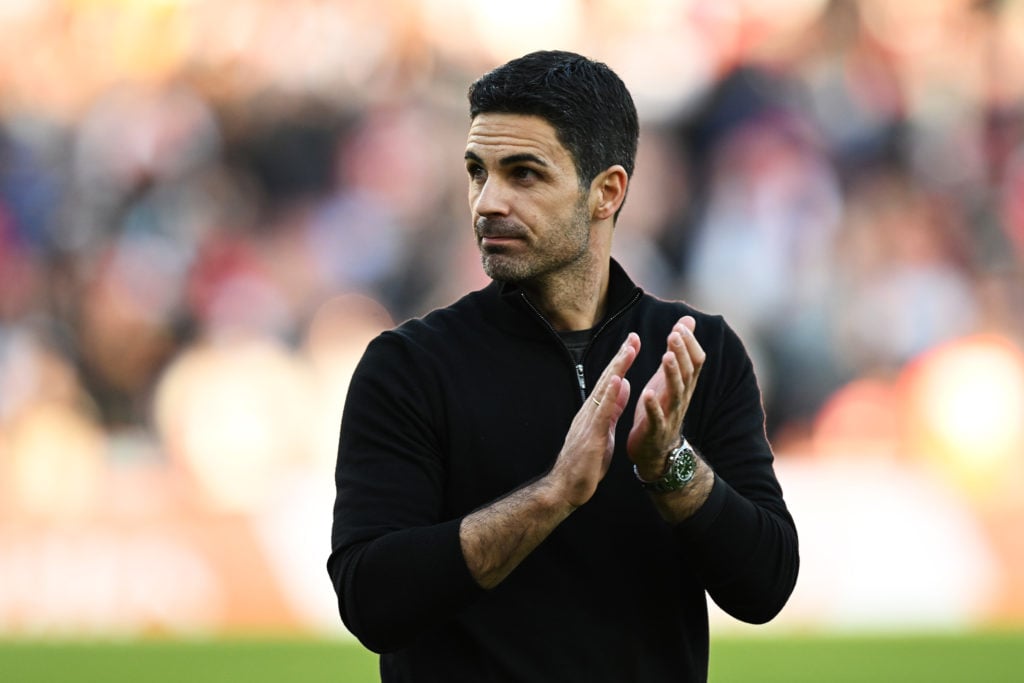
<point>596,402</point>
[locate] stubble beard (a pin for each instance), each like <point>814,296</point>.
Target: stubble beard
<point>562,247</point>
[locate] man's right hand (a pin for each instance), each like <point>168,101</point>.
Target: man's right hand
<point>496,538</point>
<point>587,451</point>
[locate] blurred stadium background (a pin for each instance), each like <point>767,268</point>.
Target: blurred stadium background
<point>208,208</point>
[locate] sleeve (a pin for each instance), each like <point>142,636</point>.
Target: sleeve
<point>396,563</point>
<point>743,541</point>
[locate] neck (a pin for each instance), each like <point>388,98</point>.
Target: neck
<point>574,299</point>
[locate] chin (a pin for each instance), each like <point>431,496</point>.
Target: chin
<point>503,275</point>
<point>503,269</point>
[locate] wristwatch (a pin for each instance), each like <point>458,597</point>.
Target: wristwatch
<point>682,465</point>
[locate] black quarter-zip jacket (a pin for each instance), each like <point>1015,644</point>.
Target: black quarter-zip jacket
<point>449,412</point>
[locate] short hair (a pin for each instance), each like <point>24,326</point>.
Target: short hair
<point>586,103</point>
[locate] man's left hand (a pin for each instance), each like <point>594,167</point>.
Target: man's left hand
<point>664,400</point>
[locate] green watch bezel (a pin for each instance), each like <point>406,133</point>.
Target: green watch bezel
<point>682,466</point>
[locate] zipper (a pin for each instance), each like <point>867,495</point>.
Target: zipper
<point>580,377</point>
<point>582,381</point>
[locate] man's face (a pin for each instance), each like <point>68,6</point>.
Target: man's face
<point>530,217</point>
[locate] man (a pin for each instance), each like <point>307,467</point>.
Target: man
<point>511,507</point>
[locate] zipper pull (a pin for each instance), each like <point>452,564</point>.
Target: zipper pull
<point>582,381</point>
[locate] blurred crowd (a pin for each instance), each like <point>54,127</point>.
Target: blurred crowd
<point>207,209</point>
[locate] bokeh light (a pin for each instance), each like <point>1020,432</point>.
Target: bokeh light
<point>235,417</point>
<point>966,411</point>
<point>55,463</point>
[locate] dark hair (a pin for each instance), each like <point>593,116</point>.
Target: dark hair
<point>586,103</point>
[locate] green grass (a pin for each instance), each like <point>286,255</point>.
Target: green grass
<point>191,661</point>
<point>975,658</point>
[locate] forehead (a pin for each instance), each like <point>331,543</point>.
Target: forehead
<point>498,135</point>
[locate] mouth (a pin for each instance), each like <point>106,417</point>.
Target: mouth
<point>496,234</point>
<point>497,241</point>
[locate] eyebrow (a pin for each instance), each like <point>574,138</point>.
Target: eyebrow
<point>511,159</point>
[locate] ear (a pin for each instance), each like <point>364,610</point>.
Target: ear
<point>608,191</point>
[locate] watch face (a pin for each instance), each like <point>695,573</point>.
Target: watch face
<point>682,465</point>
<point>686,463</point>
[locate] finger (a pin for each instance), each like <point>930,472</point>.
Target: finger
<point>622,397</point>
<point>655,415</point>
<point>675,387</point>
<point>677,347</point>
<point>611,399</point>
<point>621,362</point>
<point>694,354</point>
<point>685,327</point>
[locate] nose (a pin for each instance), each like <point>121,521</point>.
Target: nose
<point>489,199</point>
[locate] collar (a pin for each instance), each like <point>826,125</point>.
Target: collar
<point>622,291</point>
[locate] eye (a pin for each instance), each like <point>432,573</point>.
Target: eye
<point>524,173</point>
<point>475,171</point>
